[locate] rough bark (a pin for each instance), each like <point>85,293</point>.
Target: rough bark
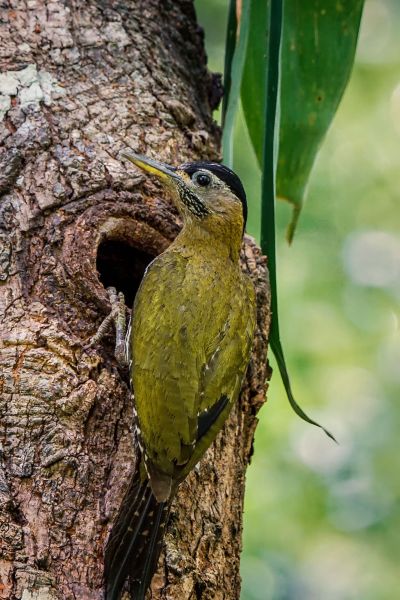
<point>80,80</point>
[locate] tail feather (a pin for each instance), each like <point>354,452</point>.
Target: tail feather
<point>139,585</point>
<point>135,542</point>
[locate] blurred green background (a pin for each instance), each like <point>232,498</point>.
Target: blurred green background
<point>323,521</point>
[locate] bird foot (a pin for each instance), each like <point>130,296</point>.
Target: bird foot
<point>118,317</point>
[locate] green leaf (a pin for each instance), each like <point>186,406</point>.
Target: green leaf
<point>233,79</point>
<point>252,66</point>
<point>230,45</point>
<point>255,73</point>
<point>317,55</point>
<point>318,47</point>
<point>270,146</point>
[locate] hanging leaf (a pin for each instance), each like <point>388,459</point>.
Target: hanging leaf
<point>318,47</point>
<point>230,45</point>
<point>234,60</point>
<point>269,162</point>
<point>317,55</point>
<point>255,73</point>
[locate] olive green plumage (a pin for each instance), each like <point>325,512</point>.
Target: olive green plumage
<point>192,328</point>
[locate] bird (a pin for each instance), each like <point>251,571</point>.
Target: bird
<point>189,346</point>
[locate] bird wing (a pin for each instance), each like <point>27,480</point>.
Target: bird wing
<point>222,375</point>
<point>192,329</point>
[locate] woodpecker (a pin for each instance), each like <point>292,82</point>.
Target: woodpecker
<point>189,346</point>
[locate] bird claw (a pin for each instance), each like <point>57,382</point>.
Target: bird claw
<point>118,317</point>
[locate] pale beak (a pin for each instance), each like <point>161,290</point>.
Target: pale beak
<point>161,170</point>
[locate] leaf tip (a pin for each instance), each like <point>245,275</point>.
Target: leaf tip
<point>329,434</point>
<point>276,348</point>
<point>292,225</point>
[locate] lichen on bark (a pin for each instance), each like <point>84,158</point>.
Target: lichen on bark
<point>80,80</point>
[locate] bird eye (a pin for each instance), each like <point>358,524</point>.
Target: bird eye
<point>201,179</point>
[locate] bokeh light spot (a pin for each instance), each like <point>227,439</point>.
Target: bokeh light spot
<point>372,258</point>
<point>395,107</point>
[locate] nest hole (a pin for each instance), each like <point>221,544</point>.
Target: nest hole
<point>122,266</point>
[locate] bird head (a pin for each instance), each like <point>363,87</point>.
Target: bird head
<point>206,193</point>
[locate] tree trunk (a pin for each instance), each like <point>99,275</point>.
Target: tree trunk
<point>82,79</point>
